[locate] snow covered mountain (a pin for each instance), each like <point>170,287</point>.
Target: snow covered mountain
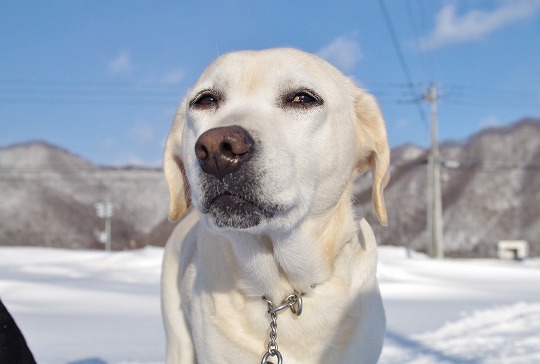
<point>48,197</point>
<point>491,192</point>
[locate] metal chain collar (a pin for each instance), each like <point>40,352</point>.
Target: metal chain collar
<point>294,302</point>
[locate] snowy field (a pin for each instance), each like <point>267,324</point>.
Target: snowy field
<point>93,307</point>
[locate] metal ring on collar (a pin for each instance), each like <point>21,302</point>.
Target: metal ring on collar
<point>268,354</point>
<point>296,307</point>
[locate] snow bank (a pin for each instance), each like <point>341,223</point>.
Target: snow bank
<point>74,306</point>
<point>506,334</point>
<point>459,311</point>
<point>94,307</point>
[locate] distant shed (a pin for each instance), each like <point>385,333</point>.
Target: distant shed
<point>512,249</point>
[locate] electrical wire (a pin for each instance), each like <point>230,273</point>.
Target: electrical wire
<point>82,92</point>
<point>422,56</point>
<point>401,59</point>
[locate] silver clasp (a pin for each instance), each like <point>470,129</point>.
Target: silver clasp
<point>293,301</point>
<point>269,353</point>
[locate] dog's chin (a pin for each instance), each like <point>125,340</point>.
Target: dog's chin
<point>228,211</point>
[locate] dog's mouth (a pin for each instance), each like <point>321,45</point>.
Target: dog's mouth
<point>231,203</point>
<point>236,211</point>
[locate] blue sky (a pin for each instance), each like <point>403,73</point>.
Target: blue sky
<point>103,78</point>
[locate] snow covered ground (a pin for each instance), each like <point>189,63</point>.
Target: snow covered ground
<point>93,307</point>
<point>459,311</point>
<point>87,307</point>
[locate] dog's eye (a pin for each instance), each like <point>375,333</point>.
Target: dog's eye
<point>205,100</point>
<point>303,99</point>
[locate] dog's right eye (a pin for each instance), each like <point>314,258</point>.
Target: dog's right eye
<point>205,100</point>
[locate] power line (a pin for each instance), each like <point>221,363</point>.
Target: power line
<point>483,95</point>
<point>80,101</point>
<point>87,84</point>
<point>14,172</point>
<point>461,95</point>
<point>84,92</point>
<point>152,172</point>
<point>401,58</point>
<point>397,47</point>
<point>426,66</point>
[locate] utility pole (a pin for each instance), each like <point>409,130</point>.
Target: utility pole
<point>105,210</point>
<point>434,196</point>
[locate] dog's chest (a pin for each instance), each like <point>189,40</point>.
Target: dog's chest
<point>228,326</point>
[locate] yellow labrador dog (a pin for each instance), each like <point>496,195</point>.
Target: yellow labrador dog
<point>269,264</point>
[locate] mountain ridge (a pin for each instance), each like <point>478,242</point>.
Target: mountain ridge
<point>491,192</point>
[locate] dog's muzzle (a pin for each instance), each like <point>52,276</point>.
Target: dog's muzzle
<point>229,183</point>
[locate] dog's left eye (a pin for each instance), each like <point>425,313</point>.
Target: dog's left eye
<point>303,99</point>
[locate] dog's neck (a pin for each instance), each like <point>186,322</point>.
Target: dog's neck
<point>277,264</point>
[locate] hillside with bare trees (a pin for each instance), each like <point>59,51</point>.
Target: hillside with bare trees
<point>491,192</point>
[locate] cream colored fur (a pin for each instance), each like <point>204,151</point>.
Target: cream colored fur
<point>307,160</point>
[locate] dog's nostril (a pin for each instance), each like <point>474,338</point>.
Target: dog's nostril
<point>200,151</point>
<point>227,148</point>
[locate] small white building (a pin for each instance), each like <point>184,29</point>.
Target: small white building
<point>512,249</point>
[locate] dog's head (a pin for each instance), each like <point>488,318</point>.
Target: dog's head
<point>265,138</point>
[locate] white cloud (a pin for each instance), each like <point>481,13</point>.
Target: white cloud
<point>142,132</point>
<point>489,122</point>
<point>108,142</point>
<point>129,159</point>
<point>121,64</point>
<point>174,77</point>
<point>401,124</point>
<point>133,159</point>
<point>343,53</point>
<point>473,25</point>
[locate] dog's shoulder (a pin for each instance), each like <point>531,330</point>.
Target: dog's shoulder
<point>180,249</point>
<point>184,233</point>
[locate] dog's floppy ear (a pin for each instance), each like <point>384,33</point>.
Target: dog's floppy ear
<point>173,167</point>
<point>374,152</point>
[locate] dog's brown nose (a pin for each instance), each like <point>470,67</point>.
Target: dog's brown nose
<point>224,150</point>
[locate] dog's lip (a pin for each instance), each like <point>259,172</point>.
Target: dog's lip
<point>236,201</point>
<point>229,197</point>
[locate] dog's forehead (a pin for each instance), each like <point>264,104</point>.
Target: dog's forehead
<point>284,67</point>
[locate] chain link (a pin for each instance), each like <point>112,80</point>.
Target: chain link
<point>294,302</point>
